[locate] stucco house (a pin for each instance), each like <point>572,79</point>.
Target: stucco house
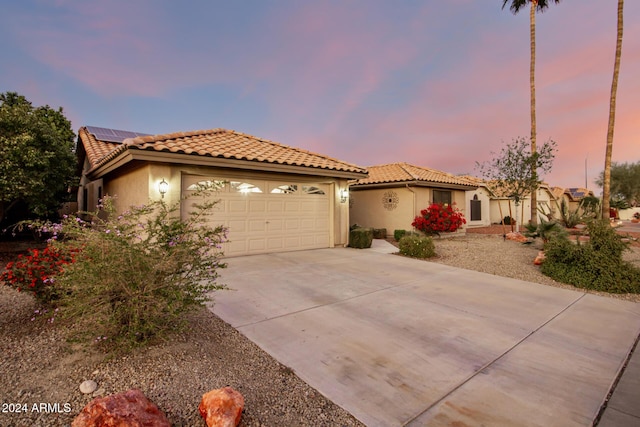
<point>394,194</point>
<point>275,198</point>
<point>499,205</point>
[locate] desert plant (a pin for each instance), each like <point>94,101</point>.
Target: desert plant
<point>438,218</point>
<point>596,264</point>
<point>636,215</point>
<point>137,273</point>
<point>545,230</point>
<point>417,246</point>
<point>361,238</point>
<point>568,217</point>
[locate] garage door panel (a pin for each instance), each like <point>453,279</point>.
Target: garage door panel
<point>274,225</point>
<point>292,207</point>
<point>275,206</point>
<point>257,225</point>
<point>237,225</point>
<point>257,245</point>
<point>257,206</point>
<point>275,243</point>
<point>292,242</point>
<point>292,224</point>
<point>238,207</point>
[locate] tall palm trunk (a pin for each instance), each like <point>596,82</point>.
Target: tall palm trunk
<point>532,82</point>
<point>606,182</point>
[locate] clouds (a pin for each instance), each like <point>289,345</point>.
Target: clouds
<point>440,85</point>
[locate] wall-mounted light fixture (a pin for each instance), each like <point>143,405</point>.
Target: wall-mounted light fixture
<point>163,186</point>
<point>344,194</point>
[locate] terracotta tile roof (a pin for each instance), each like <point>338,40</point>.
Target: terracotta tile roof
<point>219,143</point>
<point>406,173</point>
<point>95,149</point>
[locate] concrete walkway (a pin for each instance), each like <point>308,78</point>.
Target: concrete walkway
<point>397,341</point>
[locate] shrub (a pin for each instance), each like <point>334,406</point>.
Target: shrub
<point>507,220</point>
<point>398,234</point>
<point>379,233</point>
<point>439,218</point>
<point>417,246</point>
<point>137,273</point>
<point>596,264</point>
<point>36,272</point>
<point>361,238</point>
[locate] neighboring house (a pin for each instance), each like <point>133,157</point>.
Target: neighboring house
<point>496,204</point>
<point>275,198</point>
<point>572,196</point>
<point>394,194</point>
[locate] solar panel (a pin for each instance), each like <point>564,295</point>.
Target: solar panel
<point>113,135</point>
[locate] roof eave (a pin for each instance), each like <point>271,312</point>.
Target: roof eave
<point>133,153</point>
<point>432,184</point>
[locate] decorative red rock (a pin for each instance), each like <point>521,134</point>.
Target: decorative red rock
<point>539,259</point>
<point>128,409</point>
<point>516,237</point>
<point>222,407</point>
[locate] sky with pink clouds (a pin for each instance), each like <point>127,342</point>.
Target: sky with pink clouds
<point>434,83</point>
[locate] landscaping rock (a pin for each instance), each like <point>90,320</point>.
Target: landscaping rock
<point>222,407</point>
<point>517,237</point>
<point>539,259</point>
<point>88,387</point>
<point>128,409</point>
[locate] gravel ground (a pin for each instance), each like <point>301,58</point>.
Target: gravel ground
<point>38,365</point>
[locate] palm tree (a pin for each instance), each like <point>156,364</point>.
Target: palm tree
<point>536,6</point>
<point>606,181</point>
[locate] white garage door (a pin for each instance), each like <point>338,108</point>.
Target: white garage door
<point>268,216</point>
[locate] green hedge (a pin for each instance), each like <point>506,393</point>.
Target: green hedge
<point>596,264</point>
<point>417,246</point>
<point>399,234</point>
<point>361,238</point>
<point>379,233</point>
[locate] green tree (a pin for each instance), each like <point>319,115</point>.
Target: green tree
<point>536,6</point>
<point>624,182</point>
<point>514,171</point>
<point>606,180</point>
<point>37,161</point>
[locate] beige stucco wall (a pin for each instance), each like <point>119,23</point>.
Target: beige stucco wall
<point>138,186</point>
<point>132,188</point>
<point>368,206</point>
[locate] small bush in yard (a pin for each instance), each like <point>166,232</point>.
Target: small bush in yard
<point>417,246</point>
<point>399,234</point>
<point>361,238</point>
<point>596,264</point>
<point>136,273</point>
<point>379,233</point>
<point>439,218</point>
<point>36,272</point>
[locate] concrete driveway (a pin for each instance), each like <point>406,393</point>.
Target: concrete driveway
<point>397,341</point>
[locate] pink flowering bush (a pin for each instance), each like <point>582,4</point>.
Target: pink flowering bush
<point>439,218</point>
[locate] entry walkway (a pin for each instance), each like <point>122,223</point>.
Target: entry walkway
<point>397,341</point>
